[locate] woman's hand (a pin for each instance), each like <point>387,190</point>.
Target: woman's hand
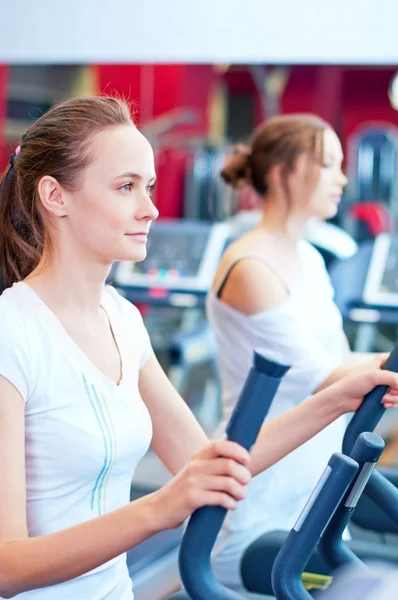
<point>217,475</point>
<point>352,388</point>
<point>366,364</point>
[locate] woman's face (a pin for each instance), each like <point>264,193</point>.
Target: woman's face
<point>327,194</point>
<point>109,216</point>
<point>320,199</point>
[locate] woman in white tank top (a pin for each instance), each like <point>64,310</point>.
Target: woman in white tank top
<point>272,293</point>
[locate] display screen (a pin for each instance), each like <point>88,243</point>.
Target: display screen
<point>173,255</point>
<point>389,281</point>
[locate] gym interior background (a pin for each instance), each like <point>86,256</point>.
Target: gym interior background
<point>193,112</point>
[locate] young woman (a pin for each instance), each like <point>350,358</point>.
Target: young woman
<point>272,292</point>
<point>81,393</point>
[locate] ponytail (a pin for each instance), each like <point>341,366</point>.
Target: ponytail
<point>21,232</point>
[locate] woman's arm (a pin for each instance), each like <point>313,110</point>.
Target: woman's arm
<point>177,434</point>
<point>355,358</point>
<point>215,475</point>
<point>284,434</point>
<point>356,362</point>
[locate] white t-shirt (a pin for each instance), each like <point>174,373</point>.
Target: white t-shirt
<point>305,332</point>
<point>84,434</point>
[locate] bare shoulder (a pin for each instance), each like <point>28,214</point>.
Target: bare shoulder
<point>252,285</point>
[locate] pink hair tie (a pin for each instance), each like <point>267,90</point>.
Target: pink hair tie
<point>14,154</point>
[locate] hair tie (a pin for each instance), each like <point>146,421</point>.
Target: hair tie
<point>242,150</point>
<point>14,154</point>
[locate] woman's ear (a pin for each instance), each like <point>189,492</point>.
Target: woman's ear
<point>276,176</point>
<point>52,196</point>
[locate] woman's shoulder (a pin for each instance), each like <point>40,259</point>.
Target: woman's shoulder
<point>243,251</point>
<point>311,254</point>
<point>250,283</point>
<point>15,306</point>
<point>125,310</point>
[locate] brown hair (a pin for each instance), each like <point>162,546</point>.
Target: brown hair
<point>57,144</point>
<point>280,140</point>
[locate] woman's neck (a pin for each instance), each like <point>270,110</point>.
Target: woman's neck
<point>287,227</point>
<point>68,285</point>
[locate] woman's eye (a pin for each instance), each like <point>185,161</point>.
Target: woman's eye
<point>127,187</point>
<point>150,189</point>
<point>327,162</point>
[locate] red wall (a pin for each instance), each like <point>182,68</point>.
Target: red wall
<point>345,96</point>
<point>348,97</point>
<point>365,99</point>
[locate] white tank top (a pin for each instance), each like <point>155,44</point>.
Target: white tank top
<point>84,435</point>
<point>305,332</point>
